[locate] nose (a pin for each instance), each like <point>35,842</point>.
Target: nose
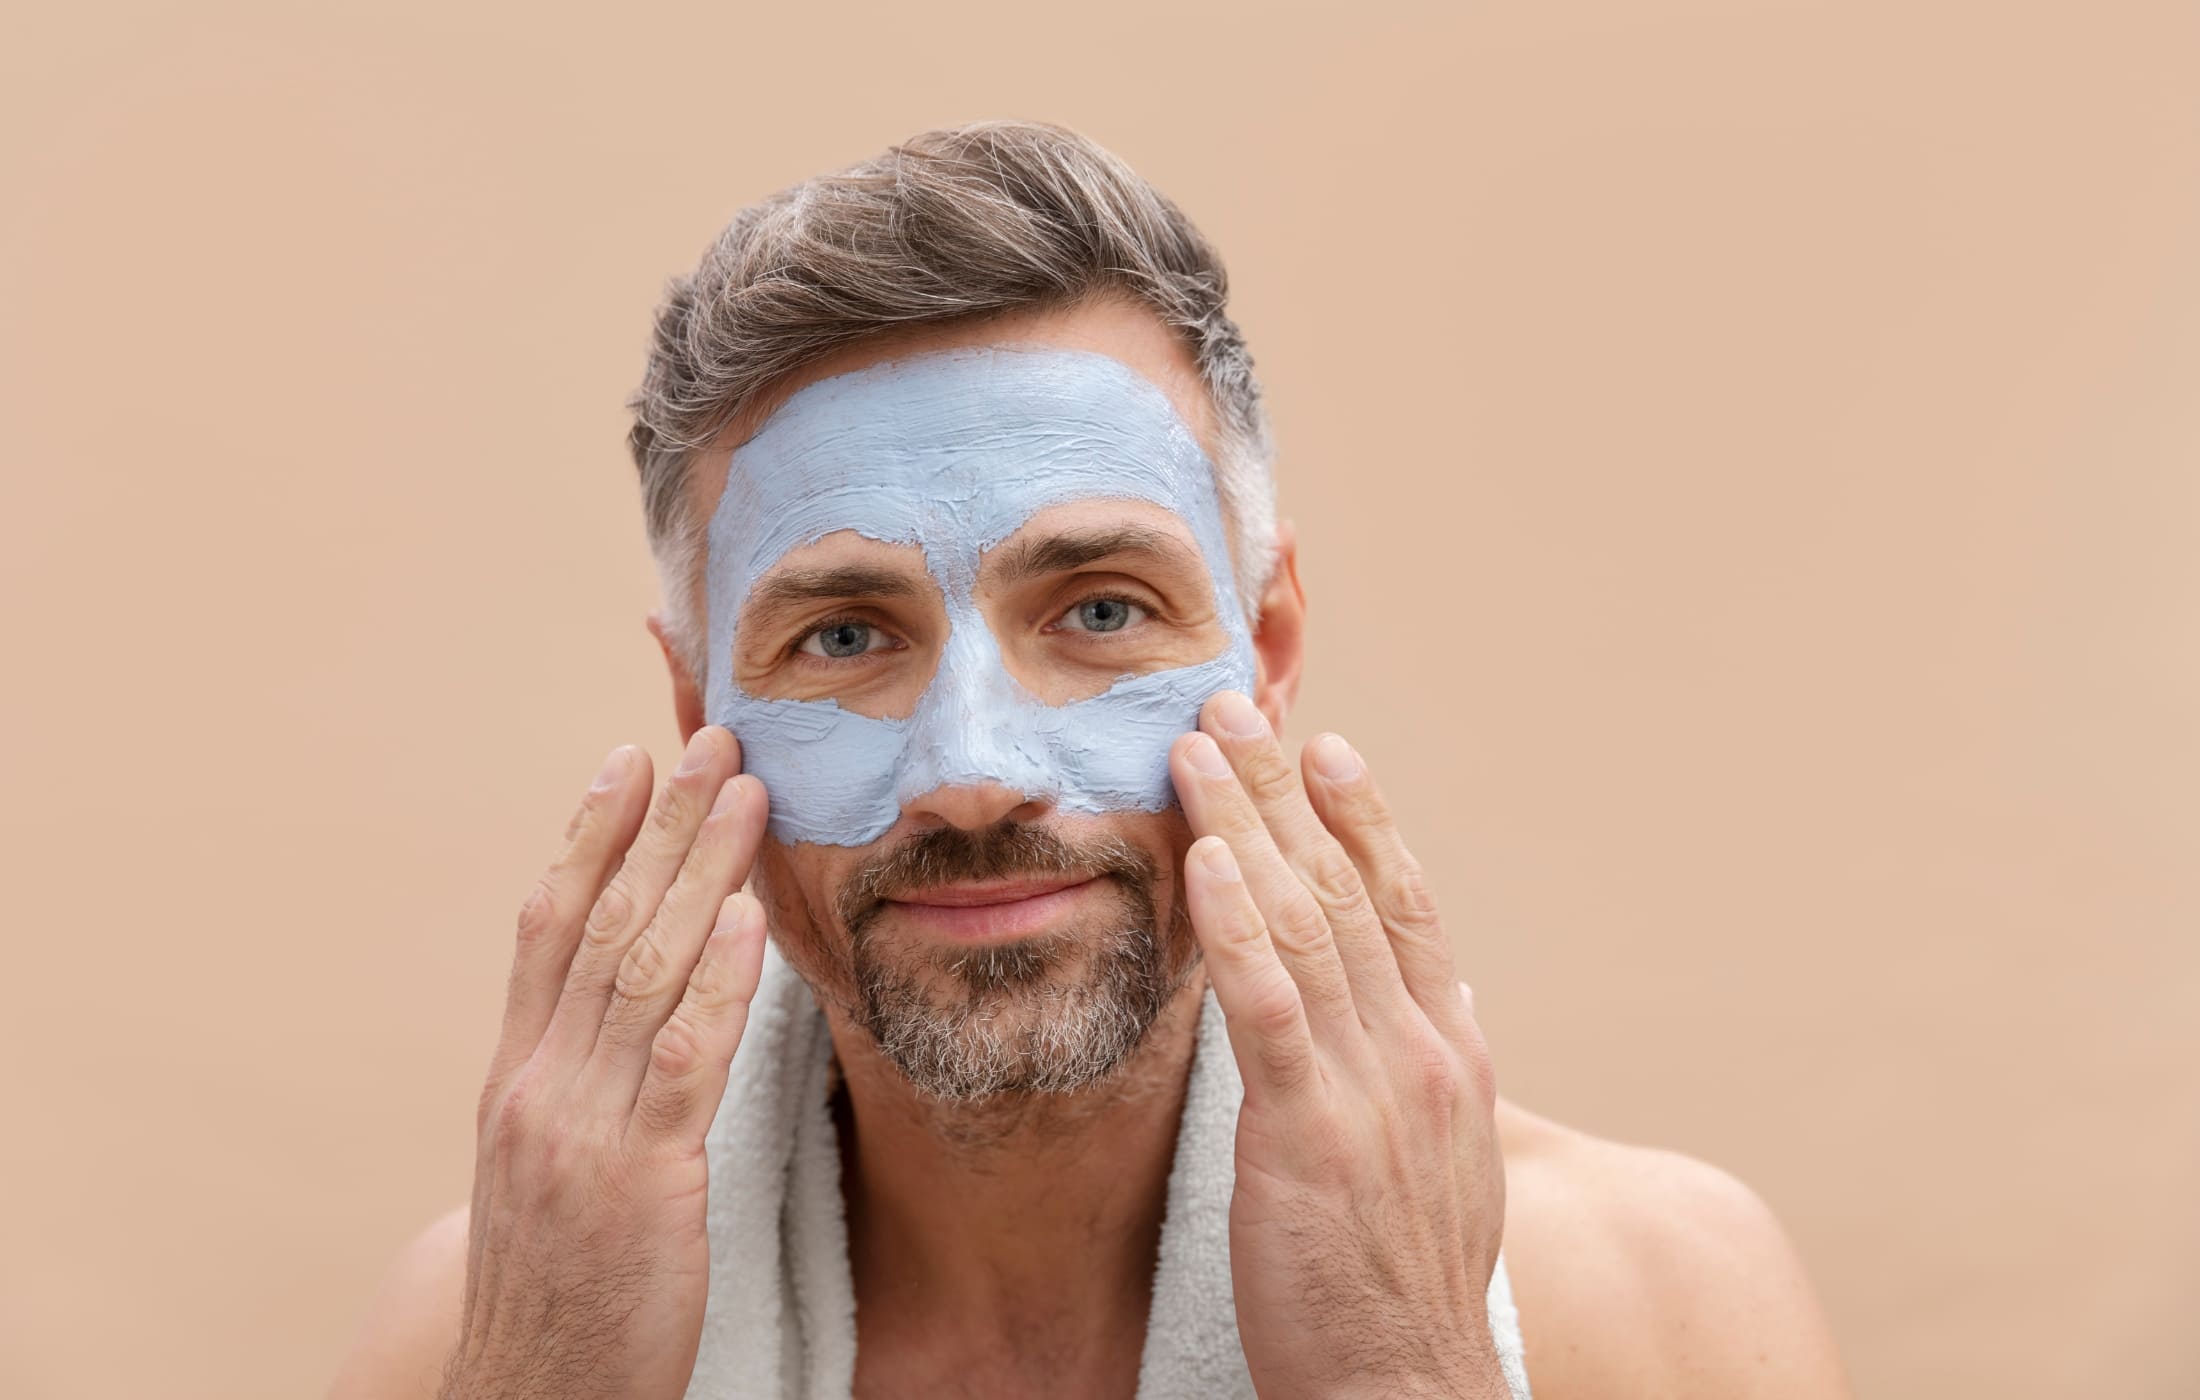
<point>975,805</point>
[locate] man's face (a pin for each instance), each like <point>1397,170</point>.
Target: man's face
<point>959,603</point>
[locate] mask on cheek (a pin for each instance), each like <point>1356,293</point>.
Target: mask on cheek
<point>953,451</point>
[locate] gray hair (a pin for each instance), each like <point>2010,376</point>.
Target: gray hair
<point>959,223</point>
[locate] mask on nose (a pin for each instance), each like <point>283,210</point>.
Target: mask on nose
<point>953,452</point>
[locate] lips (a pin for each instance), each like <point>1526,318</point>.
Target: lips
<point>993,908</point>
<point>970,896</point>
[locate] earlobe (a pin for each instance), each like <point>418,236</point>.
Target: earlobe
<point>1279,642</point>
<point>687,698</point>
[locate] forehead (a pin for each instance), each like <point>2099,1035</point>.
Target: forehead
<point>954,450</point>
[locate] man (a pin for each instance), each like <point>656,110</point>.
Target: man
<point>1098,1049</point>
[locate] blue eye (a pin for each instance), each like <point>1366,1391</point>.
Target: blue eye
<point>841,639</point>
<point>1102,615</point>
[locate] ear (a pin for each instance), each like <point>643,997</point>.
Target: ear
<point>1279,642</point>
<point>687,698</point>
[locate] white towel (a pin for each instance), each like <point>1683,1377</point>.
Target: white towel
<point>780,1320</point>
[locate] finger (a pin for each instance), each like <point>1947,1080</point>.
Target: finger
<point>1215,805</point>
<point>630,899</point>
<point>691,1053</point>
<point>654,973</point>
<point>550,919</point>
<point>1260,1002</point>
<point>1351,806</point>
<point>1311,852</point>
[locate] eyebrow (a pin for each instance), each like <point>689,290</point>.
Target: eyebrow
<point>788,590</point>
<point>1074,549</point>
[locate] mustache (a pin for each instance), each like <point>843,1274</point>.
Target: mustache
<point>953,855</point>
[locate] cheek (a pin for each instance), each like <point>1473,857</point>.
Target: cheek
<point>795,885</point>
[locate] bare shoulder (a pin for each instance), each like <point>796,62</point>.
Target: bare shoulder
<point>412,1324</point>
<point>1645,1272</point>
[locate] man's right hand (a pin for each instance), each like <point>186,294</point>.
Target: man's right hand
<point>587,1258</point>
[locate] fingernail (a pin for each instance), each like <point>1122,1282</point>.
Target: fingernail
<point>1335,760</point>
<point>1238,718</point>
<point>1218,860</point>
<point>614,768</point>
<point>1203,754</point>
<point>733,911</point>
<point>726,796</point>
<point>698,751</point>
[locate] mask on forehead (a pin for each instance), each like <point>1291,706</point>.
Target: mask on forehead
<point>953,451</point>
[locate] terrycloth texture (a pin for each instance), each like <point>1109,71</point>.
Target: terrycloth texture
<point>780,1321</point>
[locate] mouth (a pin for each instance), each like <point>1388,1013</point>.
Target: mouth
<point>982,911</point>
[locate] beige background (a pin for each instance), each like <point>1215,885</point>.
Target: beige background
<point>1746,456</point>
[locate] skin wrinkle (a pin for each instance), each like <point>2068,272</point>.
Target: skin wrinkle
<point>1079,549</point>
<point>954,451</point>
<point>788,591</point>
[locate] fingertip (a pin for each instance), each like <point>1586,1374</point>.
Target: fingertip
<point>1203,755</point>
<point>1333,759</point>
<point>746,935</point>
<point>1233,713</point>
<point>1215,857</point>
<point>752,789</point>
<point>739,913</point>
<point>733,746</point>
<point>610,798</point>
<point>740,792</point>
<point>616,765</point>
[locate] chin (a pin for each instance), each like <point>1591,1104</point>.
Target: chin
<point>1049,1011</point>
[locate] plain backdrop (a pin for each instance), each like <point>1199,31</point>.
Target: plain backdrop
<point>1748,464</point>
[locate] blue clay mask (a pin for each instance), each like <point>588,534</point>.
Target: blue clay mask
<point>953,451</point>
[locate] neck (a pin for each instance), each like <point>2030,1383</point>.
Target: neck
<point>1011,1219</point>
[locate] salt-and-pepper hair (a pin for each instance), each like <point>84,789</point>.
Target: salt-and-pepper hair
<point>960,223</point>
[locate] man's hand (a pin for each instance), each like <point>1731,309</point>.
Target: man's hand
<point>1370,1195</point>
<point>588,1258</point>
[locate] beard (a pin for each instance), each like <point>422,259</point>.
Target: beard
<point>1048,1014</point>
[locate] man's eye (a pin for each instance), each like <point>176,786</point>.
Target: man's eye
<point>1102,615</point>
<point>843,639</point>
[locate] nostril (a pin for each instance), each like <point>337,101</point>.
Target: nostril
<point>974,805</point>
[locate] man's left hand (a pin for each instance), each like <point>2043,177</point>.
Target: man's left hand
<point>1370,1195</point>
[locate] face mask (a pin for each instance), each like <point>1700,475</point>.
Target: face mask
<point>953,451</point>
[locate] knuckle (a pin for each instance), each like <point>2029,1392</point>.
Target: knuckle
<point>1432,1075</point>
<point>514,1113</point>
<point>548,1150</point>
<point>1301,926</point>
<point>668,814</point>
<point>1275,1011</point>
<point>642,970</point>
<point>537,916</point>
<point>607,921</point>
<point>677,1051</point>
<point>584,815</point>
<point>711,987</point>
<point>1268,779</point>
<point>1412,904</point>
<point>1333,878</point>
<point>1242,929</point>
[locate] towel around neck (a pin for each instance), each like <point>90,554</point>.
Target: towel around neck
<point>780,1320</point>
